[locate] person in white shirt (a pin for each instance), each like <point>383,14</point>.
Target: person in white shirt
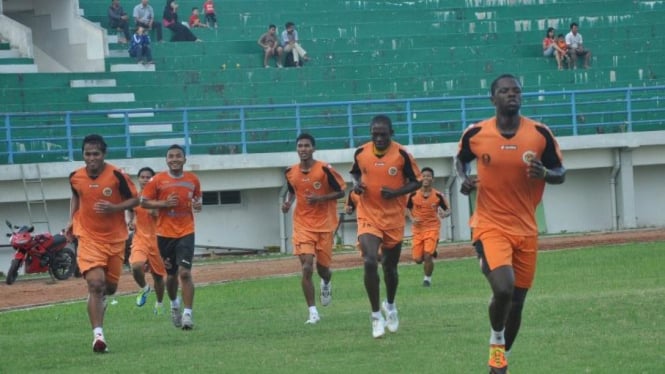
<point>576,48</point>
<point>290,43</point>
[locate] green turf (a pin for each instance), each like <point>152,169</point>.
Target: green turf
<point>593,310</point>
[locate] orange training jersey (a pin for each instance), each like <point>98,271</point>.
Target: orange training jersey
<point>393,169</point>
<point>144,233</point>
<point>178,221</point>
<point>112,185</point>
<point>425,209</point>
<point>321,179</point>
<point>507,198</point>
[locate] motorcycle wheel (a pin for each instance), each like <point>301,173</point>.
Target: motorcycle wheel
<point>12,274</point>
<point>62,264</point>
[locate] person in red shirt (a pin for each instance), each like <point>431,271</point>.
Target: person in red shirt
<point>426,208</point>
<point>176,194</point>
<point>195,19</point>
<point>515,156</point>
<point>144,251</point>
<point>316,186</point>
<point>384,172</point>
<point>100,195</point>
<point>209,11</point>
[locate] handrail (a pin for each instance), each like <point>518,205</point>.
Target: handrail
<point>132,133</point>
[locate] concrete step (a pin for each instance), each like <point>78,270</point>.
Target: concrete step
<point>117,53</point>
<point>18,68</point>
<point>150,128</point>
<point>147,114</point>
<point>164,142</point>
<point>88,83</point>
<point>10,53</point>
<point>132,67</point>
<point>112,98</point>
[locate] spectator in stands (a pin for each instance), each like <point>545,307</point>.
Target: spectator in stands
<point>576,47</point>
<point>209,11</point>
<point>563,54</point>
<point>195,20</point>
<point>170,20</point>
<point>144,16</point>
<point>118,19</point>
<point>551,48</point>
<point>139,47</point>
<point>268,41</point>
<point>291,43</point>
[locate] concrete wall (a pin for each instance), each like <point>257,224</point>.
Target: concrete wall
<point>19,36</point>
<point>590,200</point>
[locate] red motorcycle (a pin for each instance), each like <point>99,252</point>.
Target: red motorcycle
<point>40,253</point>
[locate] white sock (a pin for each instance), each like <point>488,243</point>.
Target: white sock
<point>158,304</point>
<point>429,279</point>
<point>97,331</point>
<point>377,315</point>
<point>496,337</point>
<point>175,303</point>
<point>188,311</point>
<point>146,288</point>
<point>312,310</point>
<point>390,306</point>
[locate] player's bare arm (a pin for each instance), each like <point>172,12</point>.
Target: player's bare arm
<point>537,170</point>
<point>468,183</point>
<point>389,193</point>
<point>313,199</point>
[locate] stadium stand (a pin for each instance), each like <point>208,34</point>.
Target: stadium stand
<point>361,50</point>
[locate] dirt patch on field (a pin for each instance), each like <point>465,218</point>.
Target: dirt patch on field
<point>34,292</point>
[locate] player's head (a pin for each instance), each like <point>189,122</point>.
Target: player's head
<point>175,159</point>
<point>305,146</point>
<point>144,175</point>
<point>381,130</point>
<point>428,176</point>
<point>94,152</point>
<point>506,93</point>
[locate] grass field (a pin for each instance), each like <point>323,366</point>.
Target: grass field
<point>592,310</point>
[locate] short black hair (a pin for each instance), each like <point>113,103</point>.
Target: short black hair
<point>176,146</point>
<point>145,168</point>
<point>305,135</point>
<point>95,139</point>
<point>500,77</point>
<point>574,24</point>
<point>272,26</point>
<point>549,30</point>
<point>289,24</point>
<point>427,168</point>
<point>560,36</point>
<point>384,119</point>
<point>195,8</point>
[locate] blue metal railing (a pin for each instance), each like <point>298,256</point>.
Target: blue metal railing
<point>57,136</point>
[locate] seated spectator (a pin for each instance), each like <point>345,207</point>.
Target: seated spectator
<point>563,50</point>
<point>144,16</point>
<point>170,20</point>
<point>291,44</point>
<point>551,48</point>
<point>209,11</point>
<point>118,19</point>
<point>195,20</point>
<point>139,47</point>
<point>576,47</point>
<point>268,41</point>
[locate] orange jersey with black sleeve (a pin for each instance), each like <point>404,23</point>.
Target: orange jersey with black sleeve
<point>507,198</point>
<point>425,210</point>
<point>395,168</point>
<point>112,185</point>
<point>177,221</point>
<point>144,233</point>
<point>321,179</point>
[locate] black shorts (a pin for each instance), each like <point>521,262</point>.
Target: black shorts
<point>176,252</point>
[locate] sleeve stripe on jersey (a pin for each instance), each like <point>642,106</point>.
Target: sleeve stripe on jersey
<point>408,166</point>
<point>332,181</point>
<point>550,157</point>
<point>465,154</point>
<point>355,169</point>
<point>123,186</point>
<point>442,202</point>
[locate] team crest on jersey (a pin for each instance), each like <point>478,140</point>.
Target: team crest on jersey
<point>528,156</point>
<point>107,191</point>
<point>392,171</point>
<point>316,185</point>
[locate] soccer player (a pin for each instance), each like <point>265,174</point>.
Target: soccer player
<point>144,249</point>
<point>516,156</point>
<point>100,195</point>
<point>383,173</point>
<point>426,208</point>
<point>176,194</point>
<point>316,186</point>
